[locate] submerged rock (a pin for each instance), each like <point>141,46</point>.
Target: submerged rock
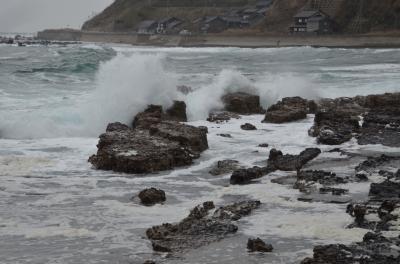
<point>289,109</point>
<point>334,127</point>
<point>154,144</point>
<point>245,176</point>
<point>200,228</point>
<point>242,103</point>
<point>152,196</point>
<point>248,126</point>
<point>225,166</point>
<point>258,245</point>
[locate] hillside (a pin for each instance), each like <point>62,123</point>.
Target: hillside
<point>350,16</point>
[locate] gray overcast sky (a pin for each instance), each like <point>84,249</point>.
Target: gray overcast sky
<point>34,15</point>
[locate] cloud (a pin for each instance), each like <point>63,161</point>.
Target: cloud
<point>35,15</point>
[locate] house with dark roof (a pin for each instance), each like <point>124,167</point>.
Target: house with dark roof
<point>311,22</point>
<point>211,24</point>
<point>147,27</point>
<point>169,25</point>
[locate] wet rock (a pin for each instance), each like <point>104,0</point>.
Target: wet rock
<point>333,191</point>
<point>242,103</point>
<point>291,162</point>
<point>152,196</point>
<point>225,135</point>
<point>258,245</point>
<point>374,249</point>
<point>149,262</point>
<point>248,126</point>
<point>385,189</point>
<point>321,177</point>
<point>245,176</point>
<point>358,212</point>
<point>264,145</point>
<point>204,129</point>
<point>221,117</point>
<point>187,136</point>
<point>334,127</point>
<point>362,177</point>
<point>352,106</point>
<point>177,112</point>
<point>381,126</point>
<point>200,228</point>
<point>224,166</point>
<point>152,145</point>
<point>289,109</point>
<point>376,163</point>
<point>117,126</point>
<point>154,114</point>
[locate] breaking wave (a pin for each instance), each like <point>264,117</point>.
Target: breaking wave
<point>126,84</point>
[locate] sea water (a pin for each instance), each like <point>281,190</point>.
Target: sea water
<point>56,100</point>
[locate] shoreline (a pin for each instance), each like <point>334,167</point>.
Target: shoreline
<point>240,41</point>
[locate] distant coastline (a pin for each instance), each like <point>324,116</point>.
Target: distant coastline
<point>225,40</point>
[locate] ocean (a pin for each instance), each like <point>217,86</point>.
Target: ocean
<point>56,100</point>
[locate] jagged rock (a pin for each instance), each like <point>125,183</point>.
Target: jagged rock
<point>177,112</point>
<point>289,109</point>
<point>374,249</point>
<point>376,163</point>
<point>200,228</point>
<point>224,166</point>
<point>291,162</point>
<point>155,114</point>
<point>334,127</point>
<point>334,191</point>
<point>386,189</point>
<point>248,126</point>
<point>221,117</point>
<point>381,126</point>
<point>352,106</point>
<point>117,126</point>
<point>321,177</point>
<point>149,262</point>
<point>258,245</point>
<point>264,145</point>
<point>245,176</point>
<point>204,129</point>
<point>242,103</point>
<point>152,196</point>
<point>152,145</point>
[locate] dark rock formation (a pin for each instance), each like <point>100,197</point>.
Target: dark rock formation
<point>289,109</point>
<point>334,127</point>
<point>377,163</point>
<point>245,176</point>
<point>221,117</point>
<point>242,103</point>
<point>374,249</point>
<point>291,162</point>
<point>264,145</point>
<point>200,228</point>
<point>184,89</point>
<point>385,189</point>
<point>152,196</point>
<point>258,245</point>
<point>381,126</point>
<point>224,166</point>
<point>248,126</point>
<point>177,112</point>
<point>152,145</point>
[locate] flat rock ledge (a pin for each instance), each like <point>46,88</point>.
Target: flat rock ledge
<point>156,142</point>
<point>204,225</point>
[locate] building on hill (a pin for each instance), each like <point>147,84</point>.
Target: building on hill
<point>147,27</point>
<point>211,24</point>
<point>311,22</point>
<point>169,25</point>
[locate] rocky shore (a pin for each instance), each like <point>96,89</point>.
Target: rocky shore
<point>160,140</point>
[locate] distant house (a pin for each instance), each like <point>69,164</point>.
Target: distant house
<point>147,27</point>
<point>311,21</point>
<point>169,25</point>
<point>235,22</point>
<point>212,24</point>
